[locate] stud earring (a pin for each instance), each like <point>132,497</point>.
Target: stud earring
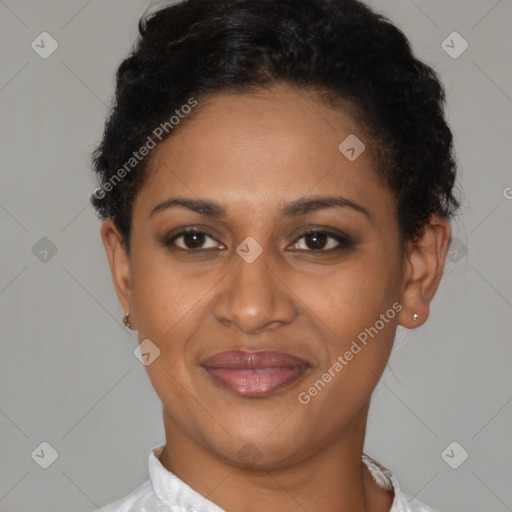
<point>126,320</point>
<point>415,316</point>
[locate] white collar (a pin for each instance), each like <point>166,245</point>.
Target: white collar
<point>167,486</point>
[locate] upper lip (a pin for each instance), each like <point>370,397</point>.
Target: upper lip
<point>250,360</point>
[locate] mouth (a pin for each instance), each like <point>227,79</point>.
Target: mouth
<point>254,374</point>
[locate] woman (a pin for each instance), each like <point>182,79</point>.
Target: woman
<point>276,187</point>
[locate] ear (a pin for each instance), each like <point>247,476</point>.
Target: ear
<point>423,268</point>
<point>119,264</point>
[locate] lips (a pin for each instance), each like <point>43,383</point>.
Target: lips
<point>253,374</point>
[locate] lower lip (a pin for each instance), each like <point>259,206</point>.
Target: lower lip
<point>256,383</point>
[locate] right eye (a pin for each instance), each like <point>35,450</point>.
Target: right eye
<point>192,240</point>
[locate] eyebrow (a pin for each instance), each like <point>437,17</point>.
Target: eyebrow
<point>296,208</point>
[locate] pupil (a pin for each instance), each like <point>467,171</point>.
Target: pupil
<point>318,240</point>
<point>193,239</point>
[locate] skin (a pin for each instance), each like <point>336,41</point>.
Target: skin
<point>253,154</point>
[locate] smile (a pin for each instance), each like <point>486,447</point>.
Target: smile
<point>254,374</point>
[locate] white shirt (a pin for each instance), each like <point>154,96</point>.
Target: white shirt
<point>165,492</point>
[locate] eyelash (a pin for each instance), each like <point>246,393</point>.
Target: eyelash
<point>343,240</point>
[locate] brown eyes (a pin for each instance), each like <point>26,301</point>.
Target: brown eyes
<point>309,241</point>
<point>322,240</point>
<point>192,240</point>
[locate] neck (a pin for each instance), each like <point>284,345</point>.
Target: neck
<point>333,479</point>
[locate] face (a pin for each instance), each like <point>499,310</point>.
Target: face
<point>275,312</point>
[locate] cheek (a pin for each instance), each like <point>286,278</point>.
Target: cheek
<point>358,342</point>
<point>349,297</point>
<point>352,312</point>
<point>164,294</point>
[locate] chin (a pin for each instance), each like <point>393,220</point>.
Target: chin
<point>262,449</point>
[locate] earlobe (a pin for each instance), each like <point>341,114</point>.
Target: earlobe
<point>422,272</point>
<point>119,262</point>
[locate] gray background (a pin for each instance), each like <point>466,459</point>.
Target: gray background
<point>68,374</point>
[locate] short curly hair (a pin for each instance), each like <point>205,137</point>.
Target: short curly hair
<point>339,48</point>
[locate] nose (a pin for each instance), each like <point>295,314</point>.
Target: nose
<point>254,297</point>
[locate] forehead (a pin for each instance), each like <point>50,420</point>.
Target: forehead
<point>269,146</point>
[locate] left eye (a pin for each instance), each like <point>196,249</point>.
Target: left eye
<point>321,240</point>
